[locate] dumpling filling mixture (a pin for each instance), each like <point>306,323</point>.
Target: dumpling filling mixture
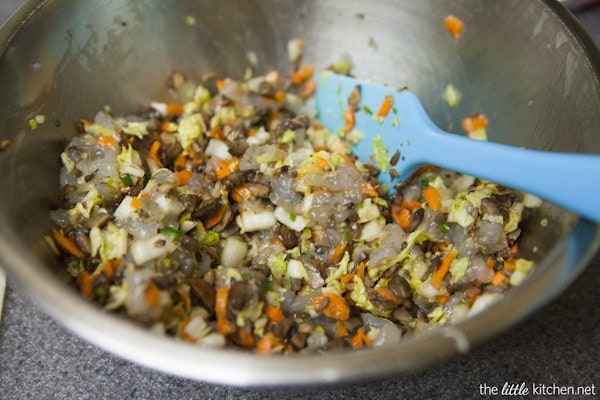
<point>232,218</point>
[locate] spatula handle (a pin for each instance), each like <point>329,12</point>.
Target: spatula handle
<point>569,180</point>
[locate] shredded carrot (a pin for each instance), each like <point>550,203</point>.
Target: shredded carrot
<point>386,106</point>
<point>360,272</point>
<point>498,278</point>
<point>266,344</point>
<point>184,176</point>
<point>439,274</point>
<point>153,153</point>
<point>222,169</point>
<point>86,122</point>
<point>174,109</point>
<point>340,329</point>
<point>217,133</point>
<point>152,295</point>
<point>302,74</point>
<point>443,298</point>
<point>336,307</point>
<point>369,189</point>
<point>216,218</point>
<point>337,253</point>
<point>67,244</point>
<point>169,126</point>
<point>401,215</point>
<point>180,162</point>
<point>136,202</point>
<point>280,96</point>
<point>454,26</point>
<point>510,264</point>
<point>439,247</point>
<point>251,132</point>
<point>347,278</point>
<point>308,89</point>
<point>490,263</point>
<point>349,118</point>
<point>85,280</point>
<point>106,141</point>
<point>474,122</point>
<point>472,296</point>
<point>386,293</point>
<point>433,198</point>
<point>514,249</point>
<point>274,313</point>
<point>360,338</point>
<point>246,337</point>
<point>412,205</point>
<point>221,83</point>
<point>224,326</point>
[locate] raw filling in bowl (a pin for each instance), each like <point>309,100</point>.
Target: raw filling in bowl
<point>232,218</point>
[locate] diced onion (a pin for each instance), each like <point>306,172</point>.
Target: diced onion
<point>234,251</point>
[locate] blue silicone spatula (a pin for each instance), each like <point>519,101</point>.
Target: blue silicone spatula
<point>570,180</point>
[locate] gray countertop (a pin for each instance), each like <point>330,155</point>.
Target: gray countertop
<point>556,346</point>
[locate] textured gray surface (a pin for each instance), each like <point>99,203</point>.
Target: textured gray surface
<point>558,345</point>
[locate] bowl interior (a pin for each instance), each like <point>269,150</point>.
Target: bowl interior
<point>524,64</point>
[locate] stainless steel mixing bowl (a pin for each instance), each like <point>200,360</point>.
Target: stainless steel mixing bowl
<point>526,64</point>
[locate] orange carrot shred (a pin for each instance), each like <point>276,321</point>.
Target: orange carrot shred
<point>85,281</point>
<point>361,270</point>
<point>340,329</point>
<point>106,141</point>
<point>439,274</point>
<point>433,198</point>
<point>174,109</point>
<point>336,307</point>
<point>280,96</point>
<point>510,264</point>
<point>454,26</point>
<point>474,122</point>
<point>349,118</point>
<point>184,176</point>
<point>180,162</point>
<point>412,205</point>
<point>152,295</point>
<point>386,106</point>
<point>369,189</point>
<point>358,339</point>
<point>347,278</point>
<point>246,337</point>
<point>443,298</point>
<point>302,74</point>
<point>401,215</point>
<point>136,202</point>
<point>67,244</point>
<point>274,313</point>
<point>308,89</point>
<point>224,326</point>
<point>387,294</point>
<point>153,153</point>
<point>337,253</point>
<point>498,278</point>
<point>221,83</point>
<point>266,344</point>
